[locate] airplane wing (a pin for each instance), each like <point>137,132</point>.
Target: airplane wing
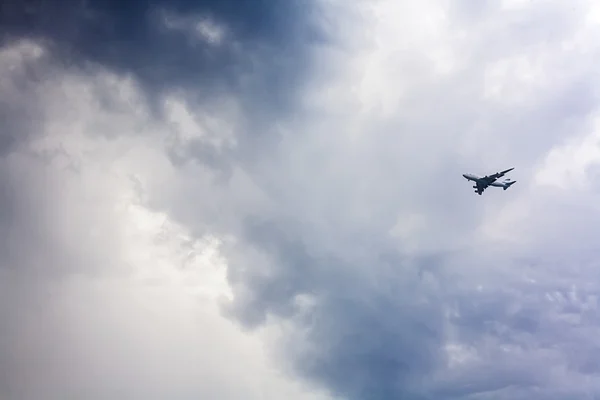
<point>492,178</point>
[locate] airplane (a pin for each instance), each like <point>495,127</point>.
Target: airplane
<point>482,183</point>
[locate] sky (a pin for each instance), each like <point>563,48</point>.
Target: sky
<point>263,199</point>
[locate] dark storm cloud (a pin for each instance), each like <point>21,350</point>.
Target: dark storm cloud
<point>370,334</point>
<point>262,59</point>
<point>374,344</point>
<point>265,40</point>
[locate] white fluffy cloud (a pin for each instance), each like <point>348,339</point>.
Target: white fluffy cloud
<point>140,246</point>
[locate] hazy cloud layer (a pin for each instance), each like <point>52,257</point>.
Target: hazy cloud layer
<point>335,235</point>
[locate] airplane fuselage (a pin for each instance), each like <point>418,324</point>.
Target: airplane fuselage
<point>471,177</point>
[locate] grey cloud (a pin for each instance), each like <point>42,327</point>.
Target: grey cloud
<point>373,344</point>
<point>262,59</point>
<point>20,110</point>
<point>68,265</point>
<point>371,329</point>
<point>375,339</point>
<point>312,212</point>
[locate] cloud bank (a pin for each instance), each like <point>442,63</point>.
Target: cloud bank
<point>219,201</point>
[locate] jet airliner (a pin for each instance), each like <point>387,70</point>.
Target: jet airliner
<point>482,182</point>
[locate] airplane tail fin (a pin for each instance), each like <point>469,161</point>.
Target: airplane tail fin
<point>508,184</point>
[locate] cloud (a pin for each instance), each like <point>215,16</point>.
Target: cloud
<point>102,295</point>
<point>406,111</point>
<point>168,45</point>
<point>334,230</point>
